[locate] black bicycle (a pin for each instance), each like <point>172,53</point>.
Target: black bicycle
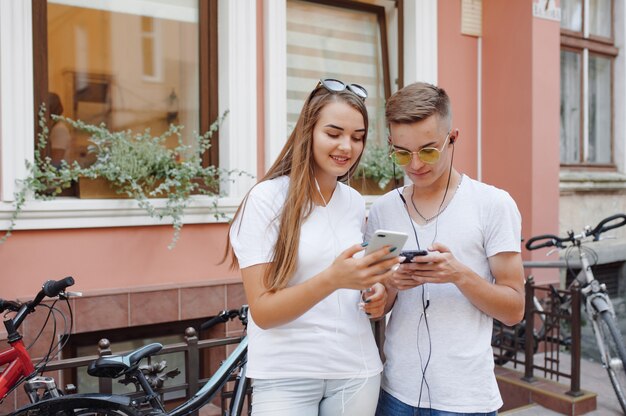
<point>49,401</point>
<point>598,306</point>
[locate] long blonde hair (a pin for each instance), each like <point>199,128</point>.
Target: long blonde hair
<point>296,161</point>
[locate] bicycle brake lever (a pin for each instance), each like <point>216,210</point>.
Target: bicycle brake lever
<point>551,251</point>
<point>71,294</point>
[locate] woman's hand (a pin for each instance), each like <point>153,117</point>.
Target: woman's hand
<point>374,300</point>
<point>348,272</point>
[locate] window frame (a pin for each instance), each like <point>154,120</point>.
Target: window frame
<point>381,17</point>
<point>586,44</point>
<point>417,27</point>
<point>236,49</point>
<point>207,58</point>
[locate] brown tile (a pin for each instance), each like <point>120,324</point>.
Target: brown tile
<point>235,296</point>
<point>553,403</point>
<point>585,406</point>
<point>153,307</point>
<point>234,328</point>
<point>202,302</point>
<point>38,328</point>
<point>96,313</point>
<point>512,394</point>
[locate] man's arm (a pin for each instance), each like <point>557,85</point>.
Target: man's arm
<point>503,300</point>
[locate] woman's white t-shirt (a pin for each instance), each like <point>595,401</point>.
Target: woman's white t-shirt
<point>451,345</point>
<point>334,338</point>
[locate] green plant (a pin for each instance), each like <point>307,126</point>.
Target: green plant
<point>136,165</point>
<point>376,165</point>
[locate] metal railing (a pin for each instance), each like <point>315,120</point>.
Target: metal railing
<point>191,348</point>
<point>548,328</point>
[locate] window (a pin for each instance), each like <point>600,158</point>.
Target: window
<point>132,65</point>
<point>342,40</point>
<point>587,60</point>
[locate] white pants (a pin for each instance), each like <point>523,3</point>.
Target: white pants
<point>315,397</point>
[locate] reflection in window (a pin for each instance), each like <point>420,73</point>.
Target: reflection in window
<point>570,107</point>
<point>572,15</point>
<point>600,22</point>
<point>148,47</point>
<point>587,57</point>
<point>599,109</point>
<point>128,68</point>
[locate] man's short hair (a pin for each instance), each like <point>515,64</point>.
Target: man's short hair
<point>417,102</point>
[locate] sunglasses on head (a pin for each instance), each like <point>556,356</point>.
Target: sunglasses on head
<point>428,155</point>
<point>334,85</point>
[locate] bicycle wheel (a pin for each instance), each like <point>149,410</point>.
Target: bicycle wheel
<point>615,355</point>
<point>76,407</point>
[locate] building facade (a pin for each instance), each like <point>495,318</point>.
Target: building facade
<point>537,88</point>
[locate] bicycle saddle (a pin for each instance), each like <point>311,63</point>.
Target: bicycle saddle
<point>113,366</point>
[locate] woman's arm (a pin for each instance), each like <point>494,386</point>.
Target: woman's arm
<point>274,308</point>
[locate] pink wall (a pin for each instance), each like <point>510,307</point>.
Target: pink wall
<point>507,98</point>
<point>457,74</point>
<point>521,112</point>
<point>112,258</point>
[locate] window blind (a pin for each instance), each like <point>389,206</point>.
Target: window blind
<point>334,42</point>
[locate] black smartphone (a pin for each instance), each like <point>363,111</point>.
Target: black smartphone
<point>409,254</point>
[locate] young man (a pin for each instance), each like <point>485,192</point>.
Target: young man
<point>438,340</point>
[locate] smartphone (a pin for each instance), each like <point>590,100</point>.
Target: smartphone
<point>387,238</point>
<point>409,254</point>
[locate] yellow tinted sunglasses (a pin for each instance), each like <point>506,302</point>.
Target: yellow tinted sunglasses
<point>428,155</point>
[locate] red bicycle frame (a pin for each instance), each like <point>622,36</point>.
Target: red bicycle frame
<point>19,365</point>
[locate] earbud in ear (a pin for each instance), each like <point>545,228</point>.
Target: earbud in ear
<point>453,136</point>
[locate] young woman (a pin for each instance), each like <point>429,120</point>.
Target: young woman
<point>294,238</point>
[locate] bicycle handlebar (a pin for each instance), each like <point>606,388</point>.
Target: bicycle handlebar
<point>551,240</point>
<point>227,315</point>
<point>51,288</point>
<point>9,305</point>
<point>603,227</point>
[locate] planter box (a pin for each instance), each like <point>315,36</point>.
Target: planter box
<point>101,188</point>
<point>368,186</point>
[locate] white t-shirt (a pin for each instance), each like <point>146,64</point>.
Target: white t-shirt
<point>479,222</point>
<point>333,339</point>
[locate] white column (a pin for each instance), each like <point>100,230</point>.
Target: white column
<point>420,41</point>
<point>16,93</point>
<point>275,59</point>
<point>238,90</point>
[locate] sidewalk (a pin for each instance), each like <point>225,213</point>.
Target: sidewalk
<point>593,378</point>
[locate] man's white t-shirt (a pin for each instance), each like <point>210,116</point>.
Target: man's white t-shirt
<point>333,339</point>
<point>456,356</point>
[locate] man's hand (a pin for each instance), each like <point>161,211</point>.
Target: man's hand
<point>374,300</point>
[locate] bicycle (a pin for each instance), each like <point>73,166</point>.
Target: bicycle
<point>19,366</point>
<point>47,400</point>
<point>598,307</point>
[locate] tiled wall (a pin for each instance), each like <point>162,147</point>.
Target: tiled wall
<point>129,308</point>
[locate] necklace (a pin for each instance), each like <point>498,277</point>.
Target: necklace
<point>442,207</point>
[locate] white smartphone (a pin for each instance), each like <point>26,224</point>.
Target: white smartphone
<point>382,238</point>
